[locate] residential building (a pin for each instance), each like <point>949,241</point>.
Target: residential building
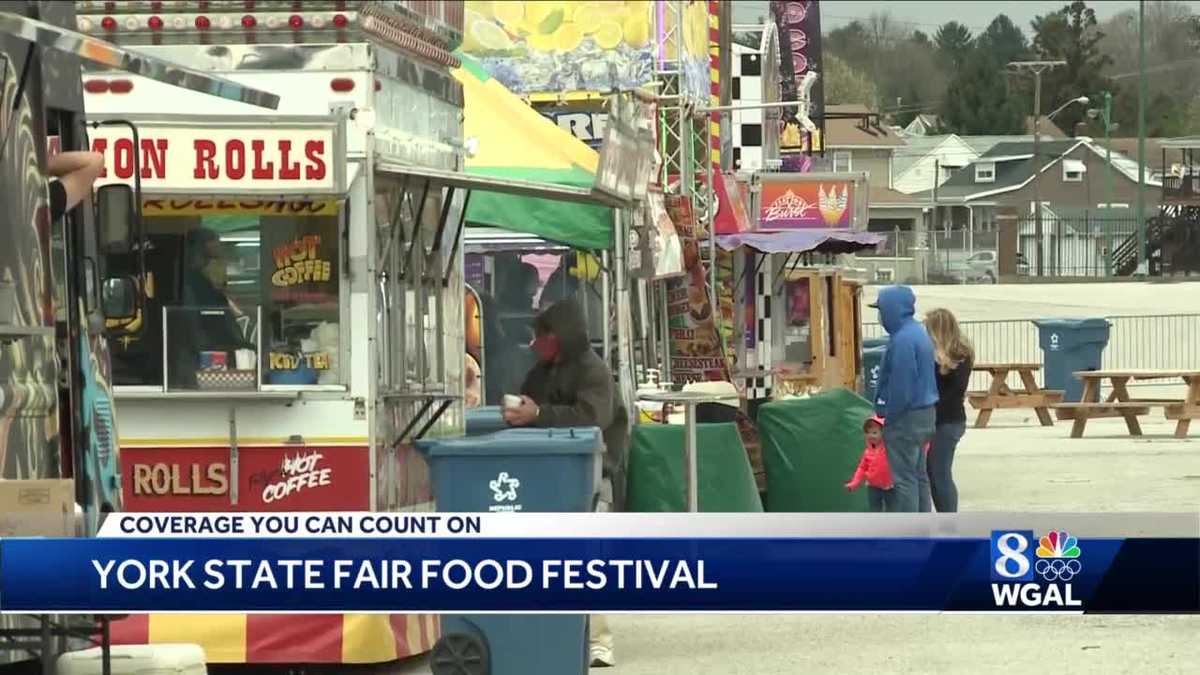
<point>1158,162</point>
<point>982,144</point>
<point>1173,244</point>
<point>923,125</point>
<point>855,140</point>
<point>1069,178</point>
<point>926,161</point>
<point>1070,175</point>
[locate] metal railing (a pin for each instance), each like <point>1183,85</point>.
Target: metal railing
<point>1181,188</point>
<point>1135,342</point>
<point>1086,245</point>
<point>1075,246</point>
<point>955,243</point>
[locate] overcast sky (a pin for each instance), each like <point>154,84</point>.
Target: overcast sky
<point>927,16</point>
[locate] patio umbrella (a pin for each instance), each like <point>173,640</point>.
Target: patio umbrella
<point>516,142</point>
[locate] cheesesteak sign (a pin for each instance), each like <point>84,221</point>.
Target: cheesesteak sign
<point>183,159</point>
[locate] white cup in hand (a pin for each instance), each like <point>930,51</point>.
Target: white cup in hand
<point>510,401</point>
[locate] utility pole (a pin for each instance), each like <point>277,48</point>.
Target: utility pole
<point>1037,68</point>
<point>1108,186</point>
<point>1141,131</point>
<point>921,235</point>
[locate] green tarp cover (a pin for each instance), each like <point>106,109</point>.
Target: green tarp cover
<point>656,470</point>
<point>810,448</point>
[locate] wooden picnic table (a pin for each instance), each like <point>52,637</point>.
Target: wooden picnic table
<point>1000,395</point>
<point>1120,404</point>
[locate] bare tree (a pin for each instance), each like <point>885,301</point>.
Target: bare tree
<point>1172,65</point>
<point>888,53</point>
<point>845,84</point>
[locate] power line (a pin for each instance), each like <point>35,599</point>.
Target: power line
<point>1170,65</point>
<point>865,19</point>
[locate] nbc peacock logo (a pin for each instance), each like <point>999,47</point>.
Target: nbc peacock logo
<point>1058,556</point>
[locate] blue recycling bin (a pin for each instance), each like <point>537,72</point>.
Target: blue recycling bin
<point>872,356</point>
<point>522,471</point>
<point>485,420</point>
<point>1068,346</point>
<point>872,360</point>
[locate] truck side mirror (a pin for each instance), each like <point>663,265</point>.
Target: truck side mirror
<point>115,213</point>
<point>119,298</point>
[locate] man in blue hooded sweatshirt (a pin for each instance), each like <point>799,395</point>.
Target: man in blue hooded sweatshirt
<point>906,395</point>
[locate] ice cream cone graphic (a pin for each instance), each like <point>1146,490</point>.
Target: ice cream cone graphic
<point>831,204</point>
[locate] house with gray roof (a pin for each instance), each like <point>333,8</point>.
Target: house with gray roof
<point>926,161</point>
<point>1069,174</point>
<point>923,125</point>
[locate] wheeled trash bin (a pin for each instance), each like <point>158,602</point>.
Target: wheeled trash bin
<point>1069,346</point>
<point>516,470</point>
<point>872,360</point>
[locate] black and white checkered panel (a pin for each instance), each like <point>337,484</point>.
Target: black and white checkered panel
<point>759,357</point>
<point>747,87</point>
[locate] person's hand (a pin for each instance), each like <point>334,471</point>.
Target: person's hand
<point>522,415</point>
<point>850,486</point>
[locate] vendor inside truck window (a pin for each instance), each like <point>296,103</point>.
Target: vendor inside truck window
<point>232,295</point>
<point>797,331</point>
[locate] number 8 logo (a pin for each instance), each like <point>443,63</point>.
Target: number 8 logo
<point>1012,554</point>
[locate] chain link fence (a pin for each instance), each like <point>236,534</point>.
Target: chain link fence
<point>1135,342</point>
<point>955,256</point>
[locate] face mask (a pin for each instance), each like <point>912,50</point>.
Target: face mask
<point>216,273</point>
<point>546,347</point>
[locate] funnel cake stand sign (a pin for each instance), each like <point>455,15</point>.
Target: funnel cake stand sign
<point>809,201</point>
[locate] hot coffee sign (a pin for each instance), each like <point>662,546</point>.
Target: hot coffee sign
<point>265,478</point>
<point>174,158</point>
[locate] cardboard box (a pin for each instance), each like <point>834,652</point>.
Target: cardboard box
<point>37,508</point>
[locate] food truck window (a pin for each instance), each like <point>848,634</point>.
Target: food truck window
<point>797,326</point>
<point>237,294</point>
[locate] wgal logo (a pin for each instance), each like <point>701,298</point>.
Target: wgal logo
<point>1058,557</point>
<point>1012,561</point>
<point>1009,562</point>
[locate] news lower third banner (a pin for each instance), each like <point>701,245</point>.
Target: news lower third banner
<point>536,563</point>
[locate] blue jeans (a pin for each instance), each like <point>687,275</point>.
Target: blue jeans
<point>941,461</point>
<point>905,436</point>
<point>924,498</point>
<point>876,497</point>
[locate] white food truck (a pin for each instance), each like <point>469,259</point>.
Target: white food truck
<point>300,305</point>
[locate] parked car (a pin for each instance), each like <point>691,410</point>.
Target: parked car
<point>983,267</point>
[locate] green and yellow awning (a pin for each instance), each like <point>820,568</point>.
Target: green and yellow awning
<point>514,142</point>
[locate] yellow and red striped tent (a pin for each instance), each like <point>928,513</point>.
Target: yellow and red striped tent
<point>287,638</point>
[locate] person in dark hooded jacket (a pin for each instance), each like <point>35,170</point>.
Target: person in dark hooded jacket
<point>906,397</point>
<point>571,386</point>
